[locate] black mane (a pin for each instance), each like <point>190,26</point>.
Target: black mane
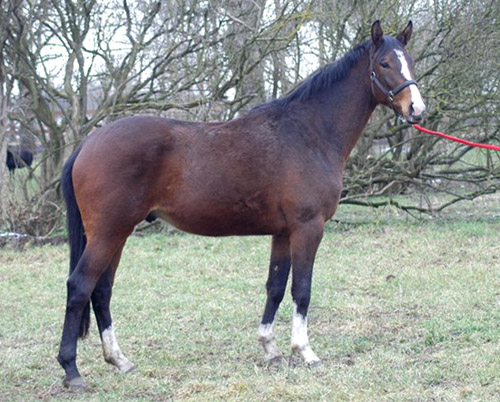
<point>322,79</point>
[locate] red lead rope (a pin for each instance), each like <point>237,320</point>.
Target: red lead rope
<point>449,137</point>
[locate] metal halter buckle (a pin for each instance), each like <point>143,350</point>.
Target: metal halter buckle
<point>393,92</point>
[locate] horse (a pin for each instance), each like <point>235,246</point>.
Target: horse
<point>23,158</point>
<point>276,170</point>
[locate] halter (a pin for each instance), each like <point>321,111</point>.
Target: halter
<point>392,92</point>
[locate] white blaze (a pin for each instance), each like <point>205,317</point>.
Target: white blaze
<point>416,98</point>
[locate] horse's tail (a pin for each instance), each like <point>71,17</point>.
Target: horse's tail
<point>76,236</point>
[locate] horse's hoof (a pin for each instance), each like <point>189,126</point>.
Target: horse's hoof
<point>123,365</point>
<point>129,368</point>
<point>75,383</point>
<point>275,361</point>
<point>313,363</point>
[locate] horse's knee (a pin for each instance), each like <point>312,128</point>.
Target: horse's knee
<point>276,293</point>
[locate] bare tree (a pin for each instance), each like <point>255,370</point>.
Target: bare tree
<point>82,63</point>
<point>456,52</point>
<point>8,58</point>
<point>69,66</point>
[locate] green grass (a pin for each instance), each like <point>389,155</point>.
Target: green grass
<point>401,310</point>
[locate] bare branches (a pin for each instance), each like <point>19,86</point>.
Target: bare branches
<point>455,62</point>
<point>69,66</point>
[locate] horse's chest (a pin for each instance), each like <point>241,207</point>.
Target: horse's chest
<point>312,192</point>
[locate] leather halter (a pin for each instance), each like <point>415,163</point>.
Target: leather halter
<point>391,93</point>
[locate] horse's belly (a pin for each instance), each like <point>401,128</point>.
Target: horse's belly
<point>222,221</point>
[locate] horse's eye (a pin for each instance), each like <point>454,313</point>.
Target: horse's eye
<point>384,64</point>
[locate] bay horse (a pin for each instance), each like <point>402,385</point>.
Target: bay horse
<point>275,171</point>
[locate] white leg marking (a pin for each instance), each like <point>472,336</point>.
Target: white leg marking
<point>416,97</point>
<point>112,352</point>
<point>266,338</point>
<point>300,340</point>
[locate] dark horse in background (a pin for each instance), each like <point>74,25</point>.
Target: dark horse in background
<point>275,171</point>
<point>18,160</point>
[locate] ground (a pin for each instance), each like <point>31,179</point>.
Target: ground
<point>403,309</point>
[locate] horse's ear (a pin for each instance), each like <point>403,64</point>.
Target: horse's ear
<point>377,33</point>
<point>405,35</point>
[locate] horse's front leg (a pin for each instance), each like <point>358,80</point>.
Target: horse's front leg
<point>279,269</point>
<point>304,243</point>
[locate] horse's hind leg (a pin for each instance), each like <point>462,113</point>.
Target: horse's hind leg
<point>101,298</point>
<point>81,283</point>
<point>279,269</point>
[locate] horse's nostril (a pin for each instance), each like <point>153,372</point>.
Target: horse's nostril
<point>415,117</point>
<point>418,111</point>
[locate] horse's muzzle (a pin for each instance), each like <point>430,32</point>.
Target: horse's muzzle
<point>413,119</point>
<point>415,115</point>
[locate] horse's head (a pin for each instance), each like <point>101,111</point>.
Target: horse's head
<point>392,76</point>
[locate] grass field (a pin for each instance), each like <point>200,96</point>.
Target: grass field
<point>402,310</point>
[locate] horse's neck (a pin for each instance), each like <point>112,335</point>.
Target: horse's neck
<point>344,110</point>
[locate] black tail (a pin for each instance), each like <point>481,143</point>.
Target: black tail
<point>76,236</point>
